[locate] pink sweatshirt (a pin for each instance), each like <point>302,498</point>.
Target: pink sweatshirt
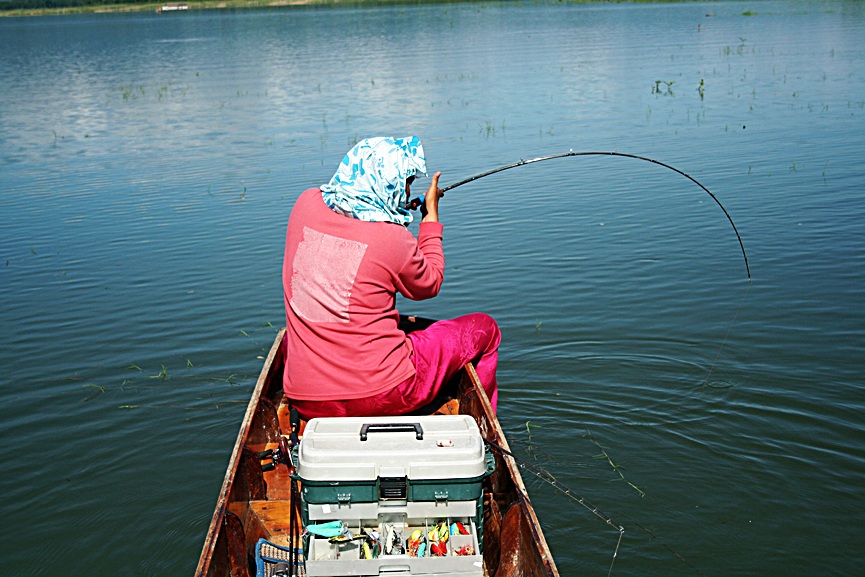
<point>340,277</point>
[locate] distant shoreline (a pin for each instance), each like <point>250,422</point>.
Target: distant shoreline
<point>235,4</point>
<point>154,6</point>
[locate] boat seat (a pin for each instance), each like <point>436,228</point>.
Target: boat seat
<point>270,520</point>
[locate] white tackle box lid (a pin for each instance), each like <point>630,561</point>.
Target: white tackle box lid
<point>366,448</point>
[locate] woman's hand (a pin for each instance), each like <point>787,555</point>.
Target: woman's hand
<point>430,208</point>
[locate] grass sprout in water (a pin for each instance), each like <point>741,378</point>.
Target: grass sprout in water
<point>667,90</point>
<point>616,467</point>
<point>547,477</point>
<point>163,374</point>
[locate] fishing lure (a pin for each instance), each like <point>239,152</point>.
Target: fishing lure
<point>393,540</point>
<point>330,529</point>
<point>458,528</point>
<point>415,543</point>
<point>388,538</point>
<point>439,548</point>
<point>443,531</point>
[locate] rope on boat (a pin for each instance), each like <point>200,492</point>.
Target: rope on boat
<point>417,202</point>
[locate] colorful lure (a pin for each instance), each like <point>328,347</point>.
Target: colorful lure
<point>439,549</point>
<point>458,528</point>
<point>331,529</point>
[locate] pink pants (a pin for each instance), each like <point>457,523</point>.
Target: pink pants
<point>440,351</point>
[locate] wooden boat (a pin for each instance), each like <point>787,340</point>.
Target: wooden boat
<point>255,504</point>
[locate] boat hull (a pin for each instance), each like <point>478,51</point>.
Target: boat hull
<point>254,504</point>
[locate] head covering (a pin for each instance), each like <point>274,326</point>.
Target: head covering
<point>370,181</point>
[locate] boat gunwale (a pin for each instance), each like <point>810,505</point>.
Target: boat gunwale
<point>264,378</point>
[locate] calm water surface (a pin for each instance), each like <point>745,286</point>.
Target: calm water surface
<point>148,165</point>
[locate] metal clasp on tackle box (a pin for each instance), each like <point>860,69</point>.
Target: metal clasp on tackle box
<point>441,496</point>
<point>343,498</point>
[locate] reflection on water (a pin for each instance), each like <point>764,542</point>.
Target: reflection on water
<point>148,165</point>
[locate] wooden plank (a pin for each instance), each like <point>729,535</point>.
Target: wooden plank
<point>274,519</point>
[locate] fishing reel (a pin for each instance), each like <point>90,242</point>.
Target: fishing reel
<point>282,453</point>
<point>415,203</point>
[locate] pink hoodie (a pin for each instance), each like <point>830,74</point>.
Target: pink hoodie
<point>340,277</point>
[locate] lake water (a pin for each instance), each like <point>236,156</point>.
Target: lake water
<point>148,165</point>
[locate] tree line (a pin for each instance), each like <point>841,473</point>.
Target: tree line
<point>49,4</point>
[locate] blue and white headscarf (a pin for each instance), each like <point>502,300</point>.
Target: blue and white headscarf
<point>370,181</point>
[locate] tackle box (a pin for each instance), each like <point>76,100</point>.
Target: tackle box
<point>388,478</point>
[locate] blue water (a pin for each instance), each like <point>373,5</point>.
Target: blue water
<point>148,165</point>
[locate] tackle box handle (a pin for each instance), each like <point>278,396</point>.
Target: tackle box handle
<point>391,428</point>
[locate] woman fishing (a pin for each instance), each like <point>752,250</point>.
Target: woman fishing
<point>347,254</point>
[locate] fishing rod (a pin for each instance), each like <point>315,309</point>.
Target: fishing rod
<point>417,202</point>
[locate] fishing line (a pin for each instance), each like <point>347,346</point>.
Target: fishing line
<point>548,478</point>
<point>417,202</point>
<point>668,548</point>
<point>616,468</point>
<point>726,336</point>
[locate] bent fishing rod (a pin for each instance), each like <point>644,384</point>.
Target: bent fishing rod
<point>417,202</point>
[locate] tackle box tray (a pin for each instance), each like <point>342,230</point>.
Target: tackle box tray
<point>392,459</point>
<point>392,550</point>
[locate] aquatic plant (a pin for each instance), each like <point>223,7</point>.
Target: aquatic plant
<point>616,467</point>
<point>129,92</point>
<point>163,374</point>
<point>488,129</point>
<point>229,379</point>
<point>667,90</point>
<point>99,390</point>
